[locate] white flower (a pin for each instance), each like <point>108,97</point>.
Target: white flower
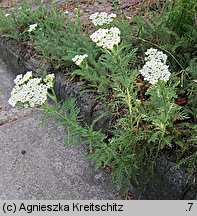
<point>32,27</point>
<point>49,85</point>
<point>49,78</point>
<point>155,67</point>
<point>20,79</point>
<point>106,38</point>
<point>154,54</point>
<point>27,76</point>
<point>30,91</point>
<point>12,102</point>
<point>79,58</point>
<point>99,19</point>
<point>7,15</point>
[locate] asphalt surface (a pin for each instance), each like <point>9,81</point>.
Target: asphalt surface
<point>35,164</point>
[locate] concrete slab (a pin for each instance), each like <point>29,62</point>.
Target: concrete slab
<point>35,164</point>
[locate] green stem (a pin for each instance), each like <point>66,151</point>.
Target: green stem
<point>53,96</point>
<point>129,104</point>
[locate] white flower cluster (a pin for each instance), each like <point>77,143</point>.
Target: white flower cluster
<point>32,27</point>
<point>106,38</point>
<point>20,79</point>
<point>98,19</point>
<point>155,67</point>
<point>49,80</point>
<point>30,91</point>
<point>156,55</point>
<point>79,58</point>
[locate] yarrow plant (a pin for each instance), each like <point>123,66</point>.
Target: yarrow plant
<point>106,38</point>
<point>30,92</point>
<point>78,59</point>
<point>155,67</point>
<point>99,19</point>
<point>143,119</point>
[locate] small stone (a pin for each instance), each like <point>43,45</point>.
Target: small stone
<point>23,152</point>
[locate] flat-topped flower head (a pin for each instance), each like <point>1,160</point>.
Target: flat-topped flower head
<point>106,38</point>
<point>30,91</point>
<point>155,67</point>
<point>78,59</point>
<point>154,54</point>
<point>20,79</point>
<point>99,19</point>
<point>32,27</point>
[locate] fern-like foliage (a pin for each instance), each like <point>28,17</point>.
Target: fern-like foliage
<point>162,112</point>
<point>67,114</point>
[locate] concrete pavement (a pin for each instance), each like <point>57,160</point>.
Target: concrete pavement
<point>34,164</point>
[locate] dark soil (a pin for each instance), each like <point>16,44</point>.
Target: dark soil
<point>87,7</point>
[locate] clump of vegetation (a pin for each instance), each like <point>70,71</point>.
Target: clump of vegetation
<point>144,74</point>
